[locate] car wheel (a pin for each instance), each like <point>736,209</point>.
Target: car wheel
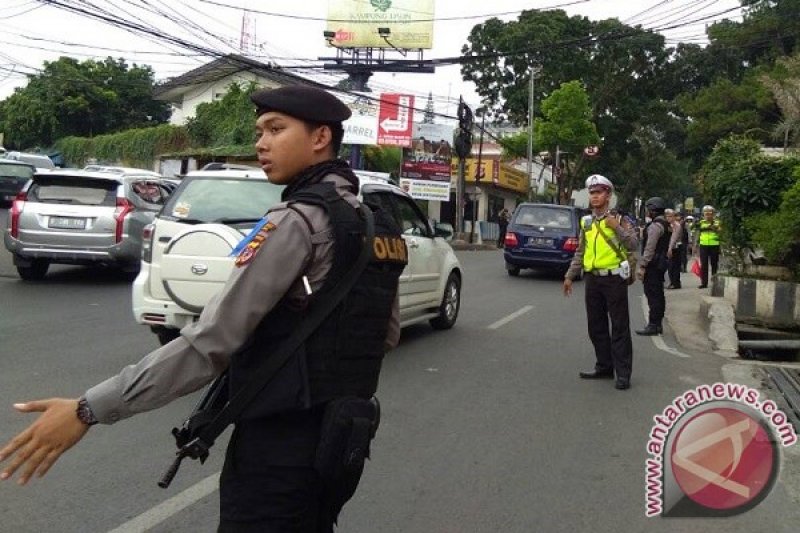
<point>451,303</point>
<point>165,335</point>
<point>513,271</point>
<point>35,272</point>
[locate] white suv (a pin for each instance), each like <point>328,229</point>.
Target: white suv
<point>185,255</point>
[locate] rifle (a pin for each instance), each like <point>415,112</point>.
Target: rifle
<point>210,404</point>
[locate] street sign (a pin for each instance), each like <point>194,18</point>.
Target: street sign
<point>395,119</point>
<point>591,151</point>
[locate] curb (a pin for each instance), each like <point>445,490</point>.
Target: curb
<point>718,314</point>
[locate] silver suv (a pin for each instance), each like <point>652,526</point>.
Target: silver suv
<point>81,218</point>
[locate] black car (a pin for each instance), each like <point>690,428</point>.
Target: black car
<point>13,177</point>
<point>542,236</point>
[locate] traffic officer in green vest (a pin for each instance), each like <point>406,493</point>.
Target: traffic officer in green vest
<point>602,256</point>
<point>296,453</point>
<point>707,244</point>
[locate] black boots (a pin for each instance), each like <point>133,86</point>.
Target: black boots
<point>650,329</point>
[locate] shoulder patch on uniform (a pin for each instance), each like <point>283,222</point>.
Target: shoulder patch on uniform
<point>247,249</point>
<point>390,248</point>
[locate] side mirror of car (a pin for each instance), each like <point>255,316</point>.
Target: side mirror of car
<point>443,230</point>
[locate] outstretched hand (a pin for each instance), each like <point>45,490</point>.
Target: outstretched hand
<point>39,446</point>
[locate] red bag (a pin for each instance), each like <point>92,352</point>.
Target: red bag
<point>697,270</point>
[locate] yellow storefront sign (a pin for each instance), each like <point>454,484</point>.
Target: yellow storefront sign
<point>493,172</point>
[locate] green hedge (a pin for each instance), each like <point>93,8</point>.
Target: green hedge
<point>136,147</point>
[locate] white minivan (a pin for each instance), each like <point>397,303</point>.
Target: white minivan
<point>186,250</point>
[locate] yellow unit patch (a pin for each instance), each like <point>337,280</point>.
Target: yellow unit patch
<point>390,249</point>
<point>252,247</point>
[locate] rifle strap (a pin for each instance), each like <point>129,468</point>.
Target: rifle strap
<point>286,350</point>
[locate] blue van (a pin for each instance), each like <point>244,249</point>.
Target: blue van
<point>542,236</point>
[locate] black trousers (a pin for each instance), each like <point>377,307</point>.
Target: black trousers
<point>709,255</point>
<point>502,235</point>
<point>607,298</point>
<point>654,291</point>
<point>675,264</point>
<point>268,483</point>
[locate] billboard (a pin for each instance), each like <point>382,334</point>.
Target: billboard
<point>425,172</point>
<point>355,23</point>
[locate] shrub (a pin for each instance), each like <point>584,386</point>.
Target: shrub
<point>778,233</point>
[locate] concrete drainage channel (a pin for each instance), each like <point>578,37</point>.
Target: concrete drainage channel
<point>772,345</point>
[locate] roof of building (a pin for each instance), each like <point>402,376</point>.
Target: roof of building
<point>174,88</point>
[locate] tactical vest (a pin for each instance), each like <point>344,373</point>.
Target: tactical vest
<point>660,254</point>
<point>597,254</point>
<point>708,237</point>
<point>343,356</point>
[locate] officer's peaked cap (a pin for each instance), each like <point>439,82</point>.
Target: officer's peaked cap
<point>304,102</point>
<point>596,181</point>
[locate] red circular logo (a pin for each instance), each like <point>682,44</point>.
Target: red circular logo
<point>723,458</point>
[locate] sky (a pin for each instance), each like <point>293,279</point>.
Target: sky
<point>291,33</point>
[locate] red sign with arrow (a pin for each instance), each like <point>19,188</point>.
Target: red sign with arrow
<point>395,119</point>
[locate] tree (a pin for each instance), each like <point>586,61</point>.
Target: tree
<point>71,98</point>
<point>651,169</point>
<point>725,108</point>
<point>224,122</point>
<point>741,183</point>
<point>567,126</point>
<point>784,83</point>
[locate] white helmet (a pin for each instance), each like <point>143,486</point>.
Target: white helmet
<point>596,180</point>
<point>708,208</point>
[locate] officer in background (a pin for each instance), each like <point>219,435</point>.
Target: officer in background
<point>654,263</point>
<point>675,248</point>
<point>603,245</point>
<point>293,258</point>
<point>707,233</point>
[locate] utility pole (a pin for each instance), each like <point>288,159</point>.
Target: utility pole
<point>478,171</point>
<point>359,80</point>
<point>531,116</point>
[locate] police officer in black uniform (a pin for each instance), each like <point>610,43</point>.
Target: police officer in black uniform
<point>272,479</point>
<point>654,263</point>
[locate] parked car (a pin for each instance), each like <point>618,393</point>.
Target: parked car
<point>186,253</point>
<point>541,236</point>
<point>81,218</point>
<point>40,161</point>
<point>13,177</point>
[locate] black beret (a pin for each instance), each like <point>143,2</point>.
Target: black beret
<point>301,101</point>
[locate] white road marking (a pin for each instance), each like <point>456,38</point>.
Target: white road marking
<point>658,341</point>
<point>154,516</point>
<point>513,316</point>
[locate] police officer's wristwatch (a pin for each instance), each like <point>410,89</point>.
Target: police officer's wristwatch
<point>85,413</point>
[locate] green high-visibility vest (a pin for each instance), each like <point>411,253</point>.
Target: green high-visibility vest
<point>709,236</point>
<point>596,252</point>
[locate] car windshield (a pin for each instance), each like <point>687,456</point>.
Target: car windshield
<point>15,171</point>
<point>548,217</point>
<point>223,199</point>
<point>73,190</point>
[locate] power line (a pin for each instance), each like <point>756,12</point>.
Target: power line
<point>430,19</point>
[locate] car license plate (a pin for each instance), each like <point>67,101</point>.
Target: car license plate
<point>540,241</point>
<point>67,223</point>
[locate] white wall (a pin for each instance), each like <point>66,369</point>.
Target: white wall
<point>208,92</point>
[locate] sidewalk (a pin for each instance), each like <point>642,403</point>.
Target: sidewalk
<point>701,322</point>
